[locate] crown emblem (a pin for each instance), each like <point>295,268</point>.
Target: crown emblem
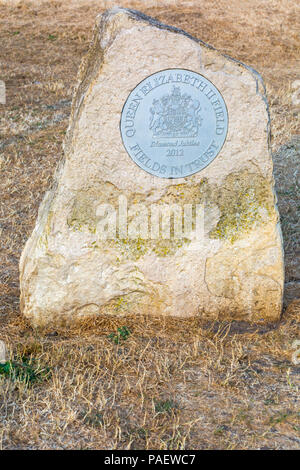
<point>175,115</point>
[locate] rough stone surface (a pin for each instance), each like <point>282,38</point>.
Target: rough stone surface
<point>237,272</point>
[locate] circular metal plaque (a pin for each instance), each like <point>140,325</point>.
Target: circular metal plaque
<point>174,123</point>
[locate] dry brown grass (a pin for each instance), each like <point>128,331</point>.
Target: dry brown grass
<point>217,385</point>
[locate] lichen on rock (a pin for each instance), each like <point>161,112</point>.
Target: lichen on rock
<point>246,202</point>
<point>235,270</point>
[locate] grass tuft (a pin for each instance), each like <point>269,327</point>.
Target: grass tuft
<point>27,371</point>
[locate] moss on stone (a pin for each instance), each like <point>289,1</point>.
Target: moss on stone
<point>120,303</point>
<point>126,303</point>
<point>168,247</point>
<point>130,248</point>
<point>244,200</point>
<point>83,217</point>
<point>185,193</point>
<point>135,249</point>
<point>83,213</point>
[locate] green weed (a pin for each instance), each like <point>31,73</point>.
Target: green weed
<point>164,406</point>
<point>26,371</point>
<point>122,334</point>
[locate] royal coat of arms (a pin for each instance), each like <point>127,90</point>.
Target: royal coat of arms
<point>175,115</point>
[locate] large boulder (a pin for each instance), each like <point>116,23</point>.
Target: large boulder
<point>70,269</point>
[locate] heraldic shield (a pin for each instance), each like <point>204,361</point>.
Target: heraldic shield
<point>175,115</point>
